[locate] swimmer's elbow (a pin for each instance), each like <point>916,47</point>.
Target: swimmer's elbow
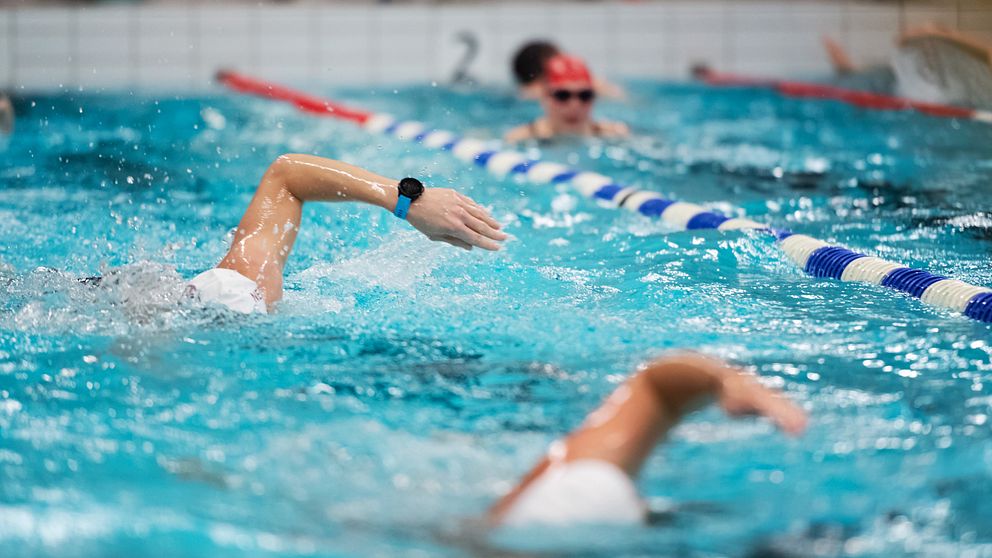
<point>282,170</point>
<point>682,376</point>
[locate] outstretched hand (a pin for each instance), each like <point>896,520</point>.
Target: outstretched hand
<point>740,394</point>
<point>447,216</point>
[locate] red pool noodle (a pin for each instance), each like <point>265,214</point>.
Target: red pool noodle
<point>304,102</point>
<point>863,99</point>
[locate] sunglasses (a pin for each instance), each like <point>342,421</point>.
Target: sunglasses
<point>564,95</point>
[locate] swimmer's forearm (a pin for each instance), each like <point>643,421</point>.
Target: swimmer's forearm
<point>640,413</point>
<point>310,178</point>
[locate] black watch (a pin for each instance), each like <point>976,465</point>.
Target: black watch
<point>409,190</point>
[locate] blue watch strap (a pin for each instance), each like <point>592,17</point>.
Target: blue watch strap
<point>402,206</point>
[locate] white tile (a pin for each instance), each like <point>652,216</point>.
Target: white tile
<point>400,19</point>
<point>165,49</point>
<point>759,17</point>
<point>165,77</point>
<point>218,22</point>
<point>6,54</point>
<point>48,19</point>
<point>645,67</point>
<point>633,15</point>
<point>512,31</point>
<point>882,18</point>
<point>43,36</point>
<point>401,45</point>
<point>35,49</point>
<point>346,18</point>
<point>112,45</point>
<point>342,73</point>
<point>698,47</point>
<point>49,76</point>
<point>297,74</point>
<point>97,20</point>
<point>529,15</point>
<point>580,18</point>
<point>866,47</point>
<point>407,55</point>
<point>449,50</point>
<point>284,42</point>
<point>411,71</point>
<point>104,77</point>
<point>589,44</point>
<point>699,17</point>
<point>344,39</point>
<point>817,20</point>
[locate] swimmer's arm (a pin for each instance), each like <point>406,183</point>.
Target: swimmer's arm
<point>615,129</point>
<point>626,428</point>
<point>518,134</point>
<point>839,58</point>
<point>976,46</point>
<point>609,89</point>
<point>268,229</point>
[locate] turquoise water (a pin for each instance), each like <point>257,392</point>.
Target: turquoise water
<point>404,385</point>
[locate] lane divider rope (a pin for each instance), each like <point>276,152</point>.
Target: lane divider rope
<point>815,257</point>
<point>862,99</point>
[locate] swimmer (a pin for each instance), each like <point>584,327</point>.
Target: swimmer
<point>528,70</point>
<point>249,277</point>
<point>931,63</point>
<point>588,476</point>
<point>567,96</point>
<point>6,115</point>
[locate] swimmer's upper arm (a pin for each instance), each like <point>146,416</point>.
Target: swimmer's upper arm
<point>616,129</point>
<point>518,134</point>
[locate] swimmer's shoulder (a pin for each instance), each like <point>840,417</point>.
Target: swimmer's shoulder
<point>523,132</point>
<point>612,130</point>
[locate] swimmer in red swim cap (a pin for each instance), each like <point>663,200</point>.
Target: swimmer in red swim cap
<point>527,67</point>
<point>568,95</point>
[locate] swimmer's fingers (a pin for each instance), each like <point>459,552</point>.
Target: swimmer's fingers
<point>482,227</point>
<point>479,212</point>
<point>455,242</point>
<point>786,415</point>
<point>475,239</point>
<point>484,215</point>
<point>741,394</point>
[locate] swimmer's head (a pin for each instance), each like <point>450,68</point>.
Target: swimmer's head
<point>529,61</point>
<point>568,90</point>
<point>700,71</point>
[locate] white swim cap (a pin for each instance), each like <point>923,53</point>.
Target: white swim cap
<point>229,288</point>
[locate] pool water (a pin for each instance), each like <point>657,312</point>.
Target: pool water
<point>404,385</point>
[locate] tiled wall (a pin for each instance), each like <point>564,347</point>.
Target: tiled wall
<point>179,46</point>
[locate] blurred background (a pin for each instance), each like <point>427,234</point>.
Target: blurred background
<point>177,45</point>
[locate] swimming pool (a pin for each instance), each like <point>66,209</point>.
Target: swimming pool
<point>404,385</point>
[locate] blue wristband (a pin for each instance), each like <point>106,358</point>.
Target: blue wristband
<point>402,207</point>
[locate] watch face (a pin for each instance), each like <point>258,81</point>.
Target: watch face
<point>411,188</point>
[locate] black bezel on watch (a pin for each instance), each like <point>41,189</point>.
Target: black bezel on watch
<point>411,188</point>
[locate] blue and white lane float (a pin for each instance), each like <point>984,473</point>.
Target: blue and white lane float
<point>815,257</point>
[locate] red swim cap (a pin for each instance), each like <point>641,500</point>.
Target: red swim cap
<point>563,68</point>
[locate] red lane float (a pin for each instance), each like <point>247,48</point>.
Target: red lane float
<point>302,101</point>
<point>863,99</point>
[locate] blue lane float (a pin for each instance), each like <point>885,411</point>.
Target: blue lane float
<point>815,257</point>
